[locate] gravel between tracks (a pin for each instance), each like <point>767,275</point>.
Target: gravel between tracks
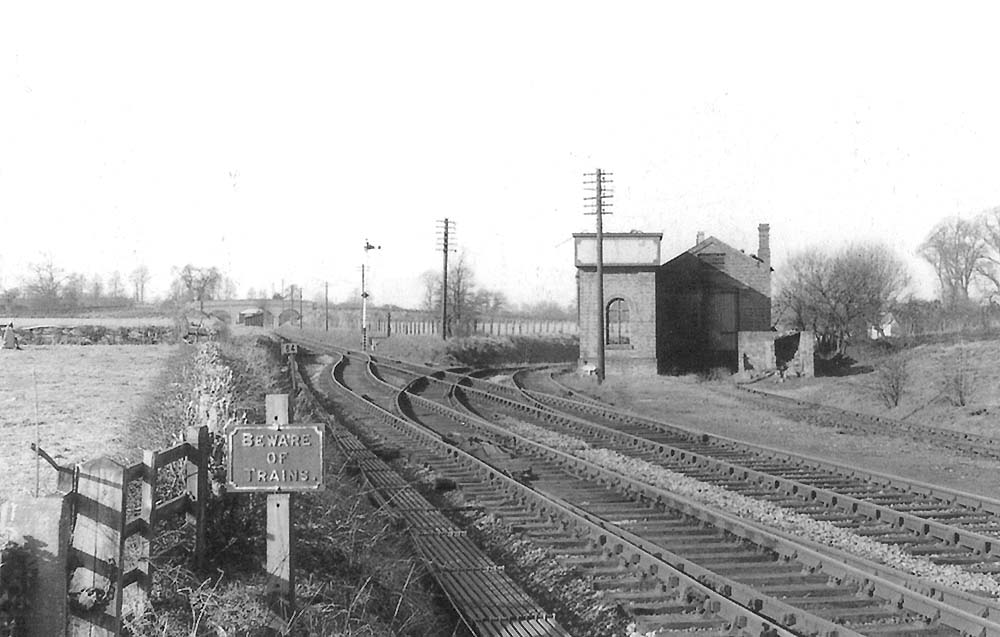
<point>717,407</point>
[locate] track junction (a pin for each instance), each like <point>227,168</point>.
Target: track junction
<point>607,495</point>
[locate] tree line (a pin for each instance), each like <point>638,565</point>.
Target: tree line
<point>49,288</point>
<point>841,293</point>
<point>466,300</point>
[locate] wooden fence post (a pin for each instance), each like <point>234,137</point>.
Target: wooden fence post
<point>148,514</point>
<point>196,477</point>
<point>280,585</point>
<point>95,587</point>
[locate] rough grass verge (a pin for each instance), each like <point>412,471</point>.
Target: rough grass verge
<point>356,573</point>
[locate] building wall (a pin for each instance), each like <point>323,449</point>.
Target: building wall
<point>705,298</point>
<point>762,351</point>
<point>637,286</point>
<point>756,353</point>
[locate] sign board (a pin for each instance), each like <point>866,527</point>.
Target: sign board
<point>289,348</point>
<point>276,460</point>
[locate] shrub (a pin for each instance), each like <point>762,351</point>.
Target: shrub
<point>890,380</point>
<point>958,381</point>
<point>487,351</point>
<point>16,581</point>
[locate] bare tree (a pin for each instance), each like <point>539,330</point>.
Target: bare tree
<point>548,309</point>
<point>461,287</point>
<point>989,267</point>
<point>873,278</point>
<point>957,250</point>
<point>46,284</point>
<point>465,300</point>
<point>843,293</point>
<point>430,299</point>
<point>10,296</point>
<point>139,278</point>
<point>96,288</point>
<point>74,289</point>
<point>891,379</point>
<point>115,284</point>
<point>227,289</point>
<point>198,284</point>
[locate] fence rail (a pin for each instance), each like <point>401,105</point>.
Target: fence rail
<point>481,327</point>
<point>99,495</point>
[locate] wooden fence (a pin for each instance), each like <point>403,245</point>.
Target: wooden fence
<point>97,555</point>
<point>481,327</point>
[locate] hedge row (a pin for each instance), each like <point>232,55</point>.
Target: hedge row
<point>488,351</point>
<point>96,334</point>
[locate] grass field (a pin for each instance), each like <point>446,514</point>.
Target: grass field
<point>85,398</point>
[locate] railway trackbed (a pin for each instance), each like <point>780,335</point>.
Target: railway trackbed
<point>634,541</point>
<point>843,419</point>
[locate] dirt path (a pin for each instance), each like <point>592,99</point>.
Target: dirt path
<point>85,398</point>
<point>716,407</point>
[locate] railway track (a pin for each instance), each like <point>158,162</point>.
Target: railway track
<point>489,603</point>
<point>827,416</point>
<point>944,526</point>
<point>782,581</point>
<point>924,509</point>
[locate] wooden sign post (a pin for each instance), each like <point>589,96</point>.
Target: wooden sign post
<point>277,459</point>
<point>291,349</point>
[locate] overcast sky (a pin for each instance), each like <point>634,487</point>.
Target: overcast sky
<point>271,140</point>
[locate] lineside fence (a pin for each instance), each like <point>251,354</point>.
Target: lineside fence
<point>480,327</point>
<point>112,503</point>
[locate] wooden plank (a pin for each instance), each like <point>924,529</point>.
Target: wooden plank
<point>136,471</point>
<point>95,589</point>
<point>173,454</point>
<point>276,409</point>
<point>147,518</point>
<point>197,487</point>
<point>180,504</point>
<point>279,587</point>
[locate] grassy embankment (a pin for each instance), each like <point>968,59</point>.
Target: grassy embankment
<point>357,575</point>
<point>953,383</point>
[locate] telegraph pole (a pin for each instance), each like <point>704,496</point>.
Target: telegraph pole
<point>445,228</point>
<point>600,180</point>
<point>364,297</point>
<point>326,304</point>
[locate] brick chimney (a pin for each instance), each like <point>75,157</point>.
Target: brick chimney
<point>764,249</point>
<point>700,237</point>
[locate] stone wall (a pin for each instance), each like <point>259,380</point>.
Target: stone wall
<point>792,353</point>
<point>96,335</point>
<point>756,352</point>
<point>802,361</point>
